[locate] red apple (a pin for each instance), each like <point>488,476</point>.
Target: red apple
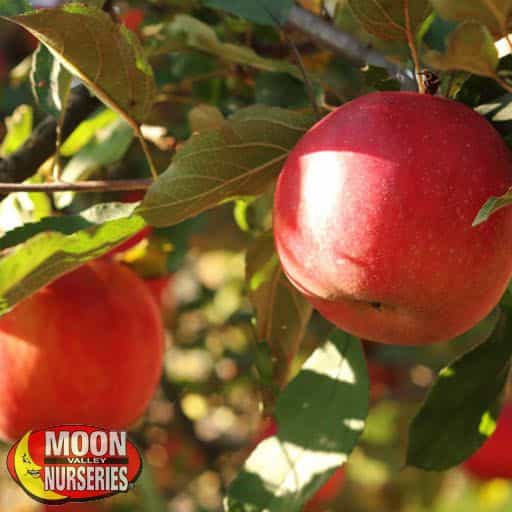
<point>328,492</point>
<point>157,287</point>
<point>383,379</point>
<point>86,349</point>
<point>132,19</point>
<point>373,217</point>
<point>494,458</point>
<point>131,242</point>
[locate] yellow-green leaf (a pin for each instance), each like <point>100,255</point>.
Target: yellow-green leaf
<point>241,158</point>
<point>186,32</point>
<point>107,57</point>
<point>391,19</point>
<point>470,48</point>
<point>494,14</point>
<point>282,313</point>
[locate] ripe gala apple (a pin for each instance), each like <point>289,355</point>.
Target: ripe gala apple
<point>493,459</point>
<point>86,349</point>
<point>373,217</point>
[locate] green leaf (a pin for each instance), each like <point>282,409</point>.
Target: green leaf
<point>466,395</point>
<point>14,7</point>
<point>386,19</point>
<point>21,207</point>
<point>282,313</point>
<point>492,205</point>
<point>107,57</point>
<point>494,14</point>
<point>320,414</point>
<point>264,12</point>
<point>48,255</point>
<point>280,90</point>
<point>50,82</point>
<point>186,32</point>
<point>205,117</point>
<point>86,131</point>
<point>497,111</point>
<point>108,146</point>
<point>69,224</point>
<point>379,79</point>
<point>470,48</point>
<point>241,158</point>
<point>19,128</point>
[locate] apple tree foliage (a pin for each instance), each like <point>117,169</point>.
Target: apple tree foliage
<point>223,67</point>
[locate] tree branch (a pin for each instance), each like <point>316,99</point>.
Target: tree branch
<point>41,145</point>
<point>78,186</point>
<point>345,44</point>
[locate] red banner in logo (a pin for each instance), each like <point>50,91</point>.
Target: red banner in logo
<point>74,463</point>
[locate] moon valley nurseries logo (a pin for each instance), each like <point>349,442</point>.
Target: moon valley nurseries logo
<point>74,463</point>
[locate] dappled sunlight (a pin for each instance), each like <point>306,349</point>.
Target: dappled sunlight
<point>292,468</point>
<point>328,354</point>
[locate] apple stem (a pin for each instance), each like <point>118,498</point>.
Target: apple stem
<point>147,153</point>
<point>412,47</point>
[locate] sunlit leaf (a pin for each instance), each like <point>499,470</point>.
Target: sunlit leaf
<point>109,146</point>
<point>19,128</point>
<point>448,427</point>
<point>391,19</point>
<point>492,205</point>
<point>494,14</point>
<point>320,415</point>
<point>470,48</point>
<point>50,81</point>
<point>95,215</point>
<point>104,55</point>
<point>86,131</point>
<point>19,208</point>
<point>48,255</point>
<point>499,110</point>
<point>282,313</point>
<point>242,158</point>
<point>187,32</point>
<point>265,12</point>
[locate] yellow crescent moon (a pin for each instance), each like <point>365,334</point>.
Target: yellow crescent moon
<point>29,473</point>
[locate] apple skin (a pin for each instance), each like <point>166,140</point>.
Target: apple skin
<point>157,287</point>
<point>373,217</point>
<point>86,349</point>
<point>328,492</point>
<point>383,380</point>
<point>132,19</point>
<point>131,242</point>
<point>494,458</point>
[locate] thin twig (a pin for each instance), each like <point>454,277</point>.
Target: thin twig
<point>146,150</point>
<point>503,83</point>
<point>345,44</point>
<point>78,186</point>
<point>41,145</point>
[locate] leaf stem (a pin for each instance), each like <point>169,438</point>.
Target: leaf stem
<point>412,47</point>
<point>503,83</point>
<point>78,186</point>
<point>147,153</point>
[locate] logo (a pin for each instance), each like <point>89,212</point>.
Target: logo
<point>74,463</point>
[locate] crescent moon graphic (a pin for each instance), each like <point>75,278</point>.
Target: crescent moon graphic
<point>29,473</point>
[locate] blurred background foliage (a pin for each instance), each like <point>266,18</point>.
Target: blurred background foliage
<point>207,413</point>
